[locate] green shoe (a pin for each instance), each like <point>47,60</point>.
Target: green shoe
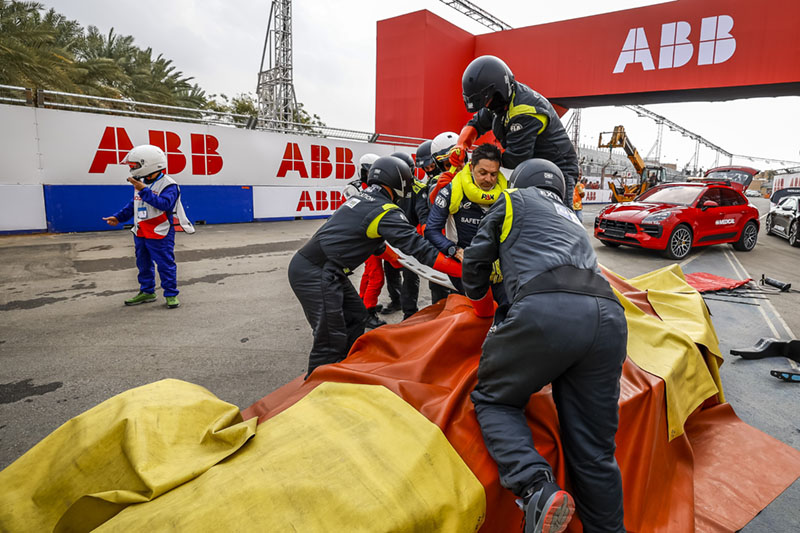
<point>172,302</point>
<point>141,298</point>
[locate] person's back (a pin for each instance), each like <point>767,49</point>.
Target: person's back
<point>343,238</point>
<point>551,275</point>
<point>357,230</point>
<point>544,235</point>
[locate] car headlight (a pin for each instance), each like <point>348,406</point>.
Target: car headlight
<point>657,218</point>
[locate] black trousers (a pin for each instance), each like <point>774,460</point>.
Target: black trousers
<point>438,292</point>
<point>405,291</point>
<point>577,343</point>
<point>332,308</point>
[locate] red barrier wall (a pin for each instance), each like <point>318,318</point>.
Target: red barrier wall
<point>421,58</point>
<point>692,50</point>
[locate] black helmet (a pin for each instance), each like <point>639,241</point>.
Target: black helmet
<point>487,80</point>
<point>539,173</point>
<point>392,172</point>
<point>403,156</point>
<point>424,157</point>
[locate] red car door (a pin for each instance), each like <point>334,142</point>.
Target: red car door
<point>706,225</point>
<point>736,207</point>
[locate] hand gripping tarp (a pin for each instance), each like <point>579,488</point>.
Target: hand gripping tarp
<point>704,470</point>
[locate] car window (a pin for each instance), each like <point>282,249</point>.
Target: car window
<point>674,194</point>
<point>789,204</point>
<point>733,175</point>
<point>731,197</point>
<point>711,194</point>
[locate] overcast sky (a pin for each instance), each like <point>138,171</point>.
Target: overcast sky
<point>219,43</point>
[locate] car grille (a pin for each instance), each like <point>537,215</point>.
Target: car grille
<point>625,227</point>
<point>654,230</point>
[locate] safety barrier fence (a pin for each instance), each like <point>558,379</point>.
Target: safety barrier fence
<point>123,107</point>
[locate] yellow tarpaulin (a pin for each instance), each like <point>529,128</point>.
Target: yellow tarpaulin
<point>668,348</point>
<point>345,458</point>
<point>129,449</point>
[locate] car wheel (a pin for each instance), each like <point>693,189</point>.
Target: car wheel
<point>768,225</point>
<point>610,244</point>
<point>680,243</point>
<point>793,234</point>
<point>749,237</point>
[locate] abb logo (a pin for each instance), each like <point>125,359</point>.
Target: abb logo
<point>325,200</point>
<point>591,196</point>
<point>115,145</point>
<point>716,45</point>
<point>785,182</point>
<point>321,164</point>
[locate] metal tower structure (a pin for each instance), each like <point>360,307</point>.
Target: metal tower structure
<point>277,104</point>
<point>477,14</point>
<point>655,150</point>
<point>573,126</point>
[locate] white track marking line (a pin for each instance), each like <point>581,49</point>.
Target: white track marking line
<point>695,256</point>
<point>768,302</point>
<point>761,309</point>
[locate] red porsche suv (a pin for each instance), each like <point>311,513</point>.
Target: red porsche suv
<point>675,217</point>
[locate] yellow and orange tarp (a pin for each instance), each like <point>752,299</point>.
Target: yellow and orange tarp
<point>677,444</point>
<point>387,440</point>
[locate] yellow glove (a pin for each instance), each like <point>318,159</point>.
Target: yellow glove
<point>496,276</point>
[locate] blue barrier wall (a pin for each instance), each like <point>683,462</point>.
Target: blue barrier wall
<point>82,207</point>
<point>218,204</point>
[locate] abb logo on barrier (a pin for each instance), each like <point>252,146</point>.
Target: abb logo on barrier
<point>325,200</point>
<point>716,45</point>
<point>115,145</point>
<point>321,164</point>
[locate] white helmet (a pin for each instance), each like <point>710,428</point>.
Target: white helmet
<point>363,165</point>
<point>442,144</point>
<point>145,159</point>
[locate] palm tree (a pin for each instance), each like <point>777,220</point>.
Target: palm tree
<point>30,55</point>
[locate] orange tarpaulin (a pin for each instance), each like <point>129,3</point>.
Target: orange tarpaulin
<point>684,484</point>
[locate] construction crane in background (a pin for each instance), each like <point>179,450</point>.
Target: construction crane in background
<point>277,104</point>
<point>649,175</point>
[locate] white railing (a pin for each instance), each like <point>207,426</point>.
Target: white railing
<point>116,106</point>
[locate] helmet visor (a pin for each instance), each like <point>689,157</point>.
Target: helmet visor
<point>476,101</point>
<point>134,165</point>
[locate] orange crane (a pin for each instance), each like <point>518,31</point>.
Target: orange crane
<point>649,176</point>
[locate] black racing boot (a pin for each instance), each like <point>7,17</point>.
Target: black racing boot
<point>372,319</point>
<point>548,508</point>
<point>393,307</point>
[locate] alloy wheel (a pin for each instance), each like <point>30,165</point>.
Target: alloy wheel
<point>750,236</point>
<point>681,242</point>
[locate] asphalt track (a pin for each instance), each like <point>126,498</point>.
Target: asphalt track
<point>67,343</point>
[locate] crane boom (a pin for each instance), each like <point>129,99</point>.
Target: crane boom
<point>648,176</point>
<point>619,139</point>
